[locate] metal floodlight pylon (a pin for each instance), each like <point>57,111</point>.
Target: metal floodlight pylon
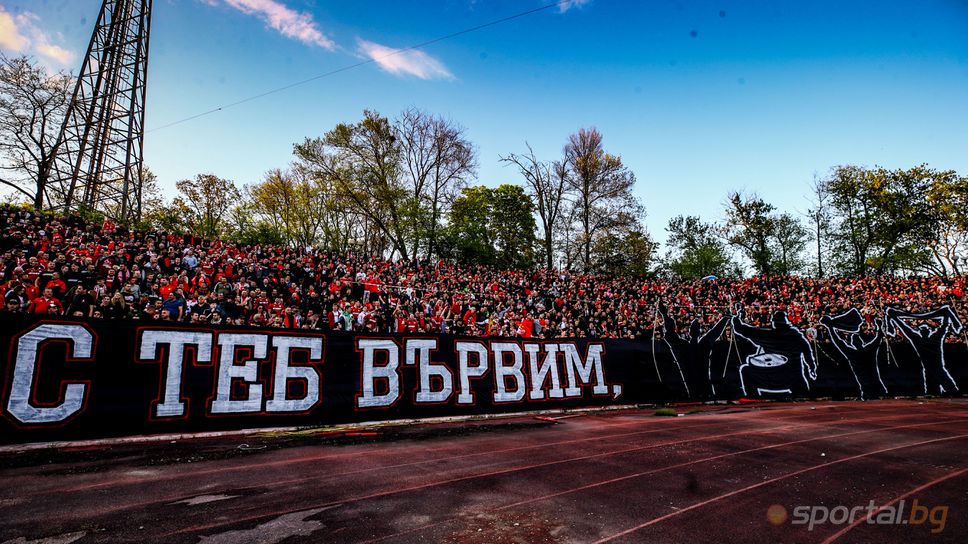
<point>98,161</point>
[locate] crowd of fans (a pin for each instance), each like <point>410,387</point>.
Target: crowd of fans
<point>66,266</point>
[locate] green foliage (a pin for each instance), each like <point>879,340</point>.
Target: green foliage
<point>362,162</point>
<point>491,226</point>
<point>948,246</point>
<point>514,227</point>
<point>547,185</point>
<point>204,204</point>
<point>393,178</point>
<point>625,249</point>
<point>169,218</point>
<point>88,215</point>
<point>749,226</point>
<point>601,188</point>
<point>885,221</point>
<point>789,239</point>
<point>468,236</point>
<point>773,243</point>
<point>695,250</point>
<point>260,232</point>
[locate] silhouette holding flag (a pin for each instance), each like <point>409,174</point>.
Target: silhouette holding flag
<point>928,343</point>
<point>861,354</point>
<point>783,363</point>
<point>692,353</point>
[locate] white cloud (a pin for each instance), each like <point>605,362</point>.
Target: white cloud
<point>10,36</point>
<point>54,52</point>
<point>566,5</point>
<point>287,21</point>
<point>21,33</point>
<point>405,62</point>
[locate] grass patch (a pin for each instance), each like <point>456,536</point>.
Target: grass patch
<point>666,412</point>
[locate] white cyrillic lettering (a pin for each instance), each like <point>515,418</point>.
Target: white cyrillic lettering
<point>592,363</point>
<point>171,404</point>
<point>427,370</point>
<point>248,371</point>
<point>502,372</point>
<point>466,396</point>
<point>284,373</point>
<point>547,370</point>
<point>368,398</point>
<point>28,348</point>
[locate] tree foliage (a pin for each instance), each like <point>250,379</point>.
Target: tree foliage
<point>205,203</point>
<point>547,184</point>
<point>33,103</point>
<point>626,249</point>
<point>396,178</point>
<point>294,204</point>
<point>819,215</point>
<point>492,226</point>
<point>399,188</point>
<point>890,221</point>
<point>773,243</point>
<point>439,161</point>
<point>948,195</point>
<point>695,249</point>
<point>600,187</point>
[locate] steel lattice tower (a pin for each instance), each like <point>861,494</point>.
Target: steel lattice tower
<point>98,163</point>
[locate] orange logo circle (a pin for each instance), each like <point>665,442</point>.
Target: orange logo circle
<point>777,514</point>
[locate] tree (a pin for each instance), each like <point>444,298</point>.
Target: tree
<point>601,187</point>
<point>468,236</point>
<point>948,195</point>
<point>439,162</point>
<point>362,162</point>
<point>149,194</point>
<point>749,227</point>
<point>33,103</point>
<point>248,227</point>
<point>695,249</point>
<point>512,221</point>
<point>296,204</point>
<point>820,218</point>
<point>172,217</point>
<point>547,185</point>
<point>206,200</point>
<point>853,209</point>
<point>883,220</point>
<point>789,240</point>
<point>907,218</point>
<point>492,226</point>
<point>774,243</point>
<point>626,250</point>
<point>567,238</point>
<point>147,199</point>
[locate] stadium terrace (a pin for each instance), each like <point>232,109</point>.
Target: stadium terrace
<point>65,266</point>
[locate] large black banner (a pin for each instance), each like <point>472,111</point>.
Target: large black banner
<point>68,379</point>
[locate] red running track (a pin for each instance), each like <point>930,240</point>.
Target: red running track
<point>623,476</point>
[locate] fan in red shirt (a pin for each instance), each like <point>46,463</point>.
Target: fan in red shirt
<point>413,324</point>
<point>166,288</point>
<point>526,327</point>
<point>57,285</point>
<point>33,270</point>
<point>42,305</point>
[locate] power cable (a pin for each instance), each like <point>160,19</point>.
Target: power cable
<point>364,63</point>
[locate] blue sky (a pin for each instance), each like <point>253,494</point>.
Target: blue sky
<point>699,98</point>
